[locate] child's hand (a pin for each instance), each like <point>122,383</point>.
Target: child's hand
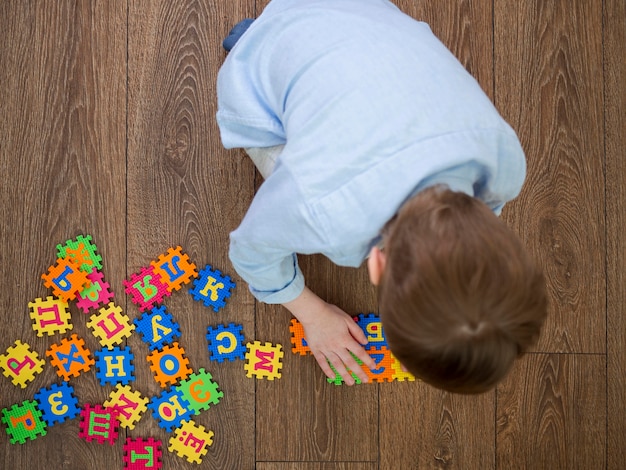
<point>331,335</point>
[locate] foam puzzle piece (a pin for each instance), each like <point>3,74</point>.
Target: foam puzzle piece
<point>50,316</point>
<point>115,366</point>
<point>142,454</point>
<point>169,409</point>
<point>23,421</point>
<point>110,325</point>
<point>226,342</point>
<point>383,372</point>
<point>97,294</point>
<point>298,341</point>
<point>70,357</point>
<point>82,251</point>
<point>263,360</point>
<point>57,403</point>
<point>373,329</point>
<point>21,364</point>
<point>175,268</point>
<point>146,288</point>
<point>338,380</point>
<point>129,404</point>
<point>212,288</point>
<point>191,441</point>
<point>398,373</point>
<point>157,327</point>
<point>200,391</point>
<point>65,279</point>
<point>169,365</point>
<point>99,424</point>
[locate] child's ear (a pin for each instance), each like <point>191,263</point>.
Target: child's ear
<point>376,265</point>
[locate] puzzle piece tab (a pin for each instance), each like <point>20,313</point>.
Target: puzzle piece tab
<point>50,316</point>
<point>212,288</point>
<point>65,279</point>
<point>191,441</point>
<point>115,366</point>
<point>175,268</point>
<point>298,341</point>
<point>146,288</point>
<point>99,424</point>
<point>169,409</point>
<point>57,403</point>
<point>129,404</point>
<point>169,365</point>
<point>97,294</point>
<point>263,361</point>
<point>81,251</point>
<point>23,421</point>
<point>110,325</point>
<point>142,454</point>
<point>157,327</point>
<point>21,364</point>
<point>70,357</point>
<point>200,391</point>
<point>226,342</point>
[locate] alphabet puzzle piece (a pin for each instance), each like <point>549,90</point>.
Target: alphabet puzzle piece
<point>50,316</point>
<point>226,342</point>
<point>338,380</point>
<point>212,288</point>
<point>142,454</point>
<point>157,327</point>
<point>99,424</point>
<point>200,391</point>
<point>21,364</point>
<point>170,409</point>
<point>298,341</point>
<point>81,251</point>
<point>373,329</point>
<point>384,365</point>
<point>111,326</point>
<point>130,405</point>
<point>115,366</point>
<point>191,441</point>
<point>146,288</point>
<point>70,357</point>
<point>23,421</point>
<point>169,365</point>
<point>175,268</point>
<point>65,279</point>
<point>97,294</point>
<point>57,403</point>
<point>398,373</point>
<point>263,361</point>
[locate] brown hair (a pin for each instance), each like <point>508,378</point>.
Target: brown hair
<point>460,298</point>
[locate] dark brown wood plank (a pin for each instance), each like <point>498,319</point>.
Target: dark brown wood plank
<point>615,143</point>
<point>62,154</point>
<point>548,65</point>
<point>184,189</point>
<point>316,466</point>
<point>556,421</point>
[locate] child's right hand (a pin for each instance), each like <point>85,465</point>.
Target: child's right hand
<point>332,335</point>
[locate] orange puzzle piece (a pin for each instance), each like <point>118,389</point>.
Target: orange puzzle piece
<point>70,357</point>
<point>65,279</point>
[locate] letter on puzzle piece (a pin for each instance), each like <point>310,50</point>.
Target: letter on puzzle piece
<point>175,268</point>
<point>96,295</point>
<point>157,327</point>
<point>81,251</point>
<point>110,325</point>
<point>200,391</point>
<point>23,421</point>
<point>65,279</point>
<point>169,409</point>
<point>57,403</point>
<point>146,288</point>
<point>212,288</point>
<point>263,361</point>
<point>191,441</point>
<point>99,424</point>
<point>144,454</point>
<point>129,404</point>
<point>21,364</point>
<point>70,357</point>
<point>115,366</point>
<point>169,365</point>
<point>50,316</point>
<point>226,342</point>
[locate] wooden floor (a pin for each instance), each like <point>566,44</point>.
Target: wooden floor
<point>107,128</point>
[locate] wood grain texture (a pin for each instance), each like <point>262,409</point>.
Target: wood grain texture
<point>615,143</point>
<point>62,156</point>
<point>316,466</point>
<point>548,75</point>
<point>552,413</point>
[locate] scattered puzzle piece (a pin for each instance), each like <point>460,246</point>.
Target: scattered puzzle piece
<point>99,424</point>
<point>169,409</point>
<point>384,364</point>
<point>146,288</point>
<point>110,325</point>
<point>373,329</point>
<point>298,340</point>
<point>263,361</point>
<point>50,316</point>
<point>226,342</point>
<point>175,268</point>
<point>129,404</point>
<point>96,294</point>
<point>169,365</point>
<point>157,327</point>
<point>70,357</point>
<point>23,421</point>
<point>21,364</point>
<point>81,251</point>
<point>115,366</point>
<point>191,441</point>
<point>65,279</point>
<point>142,454</point>
<point>212,288</point>
<point>398,373</point>
<point>57,403</point>
<point>200,391</point>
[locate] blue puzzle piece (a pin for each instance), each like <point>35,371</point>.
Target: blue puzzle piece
<point>57,403</point>
<point>373,329</point>
<point>212,288</point>
<point>115,366</point>
<point>157,328</point>
<point>226,342</point>
<point>170,408</point>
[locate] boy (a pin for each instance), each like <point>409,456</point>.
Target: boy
<point>376,143</point>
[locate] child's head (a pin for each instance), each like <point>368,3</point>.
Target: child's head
<point>460,298</point>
